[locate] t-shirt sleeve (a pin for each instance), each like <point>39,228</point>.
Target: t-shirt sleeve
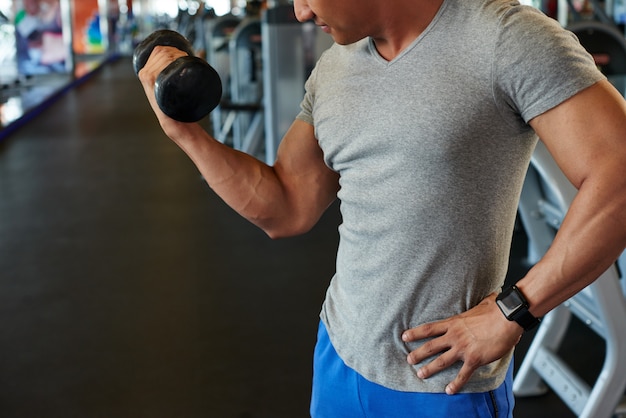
<point>306,111</point>
<point>538,64</point>
<point>306,106</point>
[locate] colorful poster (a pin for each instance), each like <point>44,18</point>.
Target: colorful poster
<point>39,36</point>
<point>88,38</point>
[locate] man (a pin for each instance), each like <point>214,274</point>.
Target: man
<point>421,120</point>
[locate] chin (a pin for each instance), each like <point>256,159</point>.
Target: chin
<point>344,40</point>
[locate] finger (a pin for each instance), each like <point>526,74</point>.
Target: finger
<point>427,350</point>
<point>160,57</point>
<point>461,379</point>
<point>432,329</point>
<point>440,363</point>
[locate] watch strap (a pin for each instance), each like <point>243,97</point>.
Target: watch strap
<point>525,319</point>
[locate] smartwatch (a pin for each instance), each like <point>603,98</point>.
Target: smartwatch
<point>514,306</point>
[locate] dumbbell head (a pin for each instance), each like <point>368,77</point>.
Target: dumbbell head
<point>188,89</point>
<point>162,37</point>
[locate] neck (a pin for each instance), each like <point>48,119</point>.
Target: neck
<point>402,24</point>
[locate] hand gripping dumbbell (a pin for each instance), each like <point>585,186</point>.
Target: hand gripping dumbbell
<point>186,90</point>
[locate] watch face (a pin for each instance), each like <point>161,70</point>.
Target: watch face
<point>511,302</point>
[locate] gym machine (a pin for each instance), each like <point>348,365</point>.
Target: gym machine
<point>599,34</point>
<point>217,34</point>
<point>243,123</point>
<point>605,42</point>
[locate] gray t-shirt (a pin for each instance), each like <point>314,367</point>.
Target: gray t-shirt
<point>432,149</point>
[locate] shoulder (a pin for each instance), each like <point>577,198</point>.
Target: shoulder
<point>485,22</point>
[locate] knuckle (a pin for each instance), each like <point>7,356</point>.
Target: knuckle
<point>428,347</point>
<point>441,362</point>
<point>473,361</point>
<point>159,49</point>
<point>429,329</point>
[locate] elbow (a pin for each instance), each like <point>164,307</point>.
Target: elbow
<point>280,233</point>
<point>292,221</point>
<point>286,228</point>
<point>276,235</point>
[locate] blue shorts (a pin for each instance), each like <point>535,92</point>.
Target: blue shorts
<point>340,392</point>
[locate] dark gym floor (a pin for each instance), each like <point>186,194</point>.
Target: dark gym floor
<point>128,289</point>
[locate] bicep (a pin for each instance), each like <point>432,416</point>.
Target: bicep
<point>309,184</point>
<point>586,134</point>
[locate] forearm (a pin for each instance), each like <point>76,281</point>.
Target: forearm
<point>592,236</point>
<point>249,186</point>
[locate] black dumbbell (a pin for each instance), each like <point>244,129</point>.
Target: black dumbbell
<point>189,88</point>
